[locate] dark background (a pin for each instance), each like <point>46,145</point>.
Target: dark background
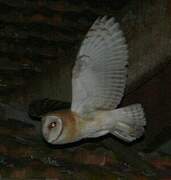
<point>39,41</point>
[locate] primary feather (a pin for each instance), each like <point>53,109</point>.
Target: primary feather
<point>99,75</point>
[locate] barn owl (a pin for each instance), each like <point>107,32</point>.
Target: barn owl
<point>98,83</point>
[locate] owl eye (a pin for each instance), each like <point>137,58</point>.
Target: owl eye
<point>52,125</point>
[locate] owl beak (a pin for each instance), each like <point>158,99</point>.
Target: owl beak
<point>48,139</point>
<point>51,141</point>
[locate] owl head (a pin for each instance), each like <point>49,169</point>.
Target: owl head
<point>52,127</point>
<point>60,127</point>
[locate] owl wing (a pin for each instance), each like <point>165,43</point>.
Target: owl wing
<point>99,74</point>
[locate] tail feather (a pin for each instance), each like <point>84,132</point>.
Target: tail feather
<point>130,124</point>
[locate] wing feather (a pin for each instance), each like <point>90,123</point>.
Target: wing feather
<point>99,74</point>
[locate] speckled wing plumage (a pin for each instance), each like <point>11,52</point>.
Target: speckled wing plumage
<point>99,75</point>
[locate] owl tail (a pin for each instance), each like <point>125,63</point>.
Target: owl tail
<point>130,123</point>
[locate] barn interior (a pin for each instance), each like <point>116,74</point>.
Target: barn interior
<point>39,41</point>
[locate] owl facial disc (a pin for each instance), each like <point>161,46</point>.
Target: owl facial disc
<point>52,128</point>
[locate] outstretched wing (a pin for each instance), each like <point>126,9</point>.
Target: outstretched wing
<point>99,74</point>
